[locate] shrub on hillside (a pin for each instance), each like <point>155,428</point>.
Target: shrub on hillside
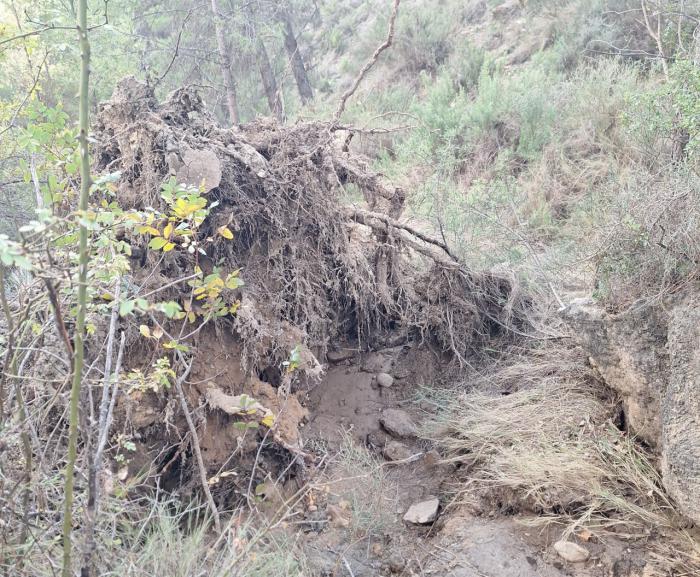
<point>650,242</point>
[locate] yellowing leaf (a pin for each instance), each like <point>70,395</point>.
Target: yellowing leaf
<point>157,243</point>
<point>168,230</point>
<point>145,331</point>
<point>148,230</point>
<point>225,232</point>
<point>268,420</point>
<point>168,246</point>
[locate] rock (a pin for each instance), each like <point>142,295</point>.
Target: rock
<point>571,552</point>
<point>680,410</point>
<point>337,357</point>
<point>385,380</point>
<point>423,512</point>
<point>396,451</point>
<point>624,350</point>
<point>396,563</point>
<point>199,167</point>
<point>651,357</point>
<point>398,423</point>
<point>376,362</point>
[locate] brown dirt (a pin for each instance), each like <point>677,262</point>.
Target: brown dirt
<point>360,294</point>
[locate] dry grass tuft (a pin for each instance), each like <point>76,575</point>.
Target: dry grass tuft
<point>545,443</point>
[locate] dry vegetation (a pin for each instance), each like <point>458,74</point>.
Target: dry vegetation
<point>540,437</point>
<point>549,153</point>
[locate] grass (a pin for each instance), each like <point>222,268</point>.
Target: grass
<point>149,538</point>
<point>538,438</point>
<point>367,488</point>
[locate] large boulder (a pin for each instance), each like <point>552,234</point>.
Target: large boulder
<point>651,357</point>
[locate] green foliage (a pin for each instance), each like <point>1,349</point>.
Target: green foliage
<point>668,111</point>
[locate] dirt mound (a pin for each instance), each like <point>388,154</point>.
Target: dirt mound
<point>322,277</point>
<point>329,271</point>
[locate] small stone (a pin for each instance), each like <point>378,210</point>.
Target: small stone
<point>396,563</point>
<point>385,380</point>
<point>396,451</point>
<point>423,512</point>
<point>398,423</point>
<point>571,552</point>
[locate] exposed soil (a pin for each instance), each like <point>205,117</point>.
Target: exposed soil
<point>376,310</point>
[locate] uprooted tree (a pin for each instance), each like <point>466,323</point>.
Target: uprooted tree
<point>182,213</point>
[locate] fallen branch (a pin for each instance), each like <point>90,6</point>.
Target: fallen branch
<point>195,446</point>
<point>365,217</point>
<point>371,62</point>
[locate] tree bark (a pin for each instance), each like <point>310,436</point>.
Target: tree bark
<point>306,93</point>
<point>267,75</point>
<point>269,81</point>
<point>83,262</point>
<point>225,64</point>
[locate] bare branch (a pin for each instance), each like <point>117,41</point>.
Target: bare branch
<point>371,62</point>
<point>195,445</point>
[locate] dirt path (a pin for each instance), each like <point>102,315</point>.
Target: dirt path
<point>378,468</point>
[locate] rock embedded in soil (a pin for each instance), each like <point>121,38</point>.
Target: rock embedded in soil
<point>398,423</point>
<point>385,380</point>
<point>571,552</point>
<point>423,512</point>
<point>396,451</point>
<point>396,563</point>
<point>337,357</point>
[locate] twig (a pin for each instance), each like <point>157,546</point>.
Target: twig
<point>371,62</point>
<point>347,566</point>
<point>177,49</point>
<point>58,315</point>
<point>195,445</point>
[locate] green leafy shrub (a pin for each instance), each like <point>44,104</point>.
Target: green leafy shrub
<point>668,114</point>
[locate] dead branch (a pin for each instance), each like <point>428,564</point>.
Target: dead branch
<point>195,445</point>
<point>655,35</point>
<point>371,62</point>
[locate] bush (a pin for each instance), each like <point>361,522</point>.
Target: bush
<point>667,117</point>
<point>651,235</point>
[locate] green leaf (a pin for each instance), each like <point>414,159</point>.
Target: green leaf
<point>158,242</point>
<point>126,307</point>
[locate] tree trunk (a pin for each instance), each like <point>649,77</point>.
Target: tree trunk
<point>269,81</point>
<point>83,262</point>
<point>225,64</point>
<point>306,93</point>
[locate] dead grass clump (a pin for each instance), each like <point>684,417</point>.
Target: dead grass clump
<point>547,445</point>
